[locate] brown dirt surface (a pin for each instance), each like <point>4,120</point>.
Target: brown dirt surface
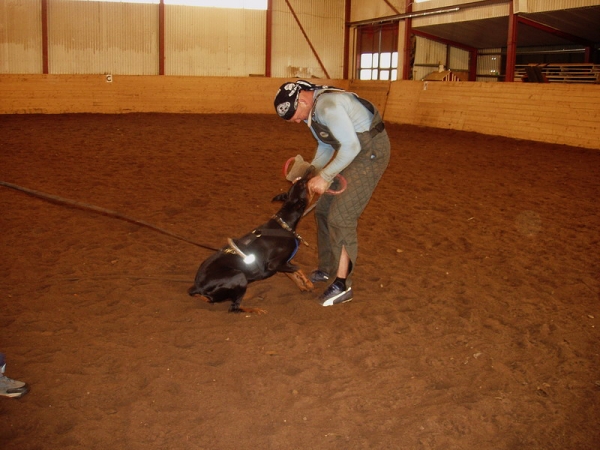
<point>475,321</point>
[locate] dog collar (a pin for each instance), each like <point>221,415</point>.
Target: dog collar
<point>286,227</point>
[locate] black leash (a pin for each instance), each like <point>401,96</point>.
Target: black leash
<point>105,212</point>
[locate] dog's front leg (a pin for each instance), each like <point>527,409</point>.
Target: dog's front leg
<point>301,280</point>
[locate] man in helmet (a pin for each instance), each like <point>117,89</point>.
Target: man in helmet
<point>351,142</point>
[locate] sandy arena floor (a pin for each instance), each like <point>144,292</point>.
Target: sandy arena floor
<point>475,323</point>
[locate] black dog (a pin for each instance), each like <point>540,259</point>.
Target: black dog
<point>258,255</point>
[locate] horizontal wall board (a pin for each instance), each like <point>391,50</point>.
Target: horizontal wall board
<point>566,114</point>
<point>57,94</point>
<point>554,113</point>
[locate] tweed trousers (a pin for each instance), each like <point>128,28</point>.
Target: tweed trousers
<point>337,215</point>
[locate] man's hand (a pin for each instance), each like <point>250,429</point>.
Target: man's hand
<point>317,185</point>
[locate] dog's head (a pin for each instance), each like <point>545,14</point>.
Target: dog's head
<point>298,197</point>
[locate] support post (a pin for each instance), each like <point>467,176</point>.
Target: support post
<point>406,65</point>
<point>348,6</point>
<point>161,37</point>
<point>511,45</point>
<point>269,39</point>
<point>45,37</point>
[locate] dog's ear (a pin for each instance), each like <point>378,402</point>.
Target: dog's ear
<point>280,197</point>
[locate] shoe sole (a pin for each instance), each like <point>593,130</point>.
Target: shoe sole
<point>318,279</point>
<point>340,298</point>
<point>14,394</point>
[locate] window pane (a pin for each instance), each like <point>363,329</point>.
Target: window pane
<point>386,60</point>
<point>365,74</point>
<point>365,60</point>
<point>377,47</point>
<point>394,75</point>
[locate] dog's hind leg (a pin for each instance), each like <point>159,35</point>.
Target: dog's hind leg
<point>236,308</point>
<point>237,294</point>
<point>204,298</point>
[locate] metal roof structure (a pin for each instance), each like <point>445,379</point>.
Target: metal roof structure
<point>550,28</point>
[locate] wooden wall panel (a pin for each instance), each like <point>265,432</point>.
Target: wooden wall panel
<point>403,101</point>
<point>57,94</point>
<point>563,114</point>
<point>374,91</point>
<point>555,113</point>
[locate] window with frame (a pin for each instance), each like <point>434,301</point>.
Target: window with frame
<point>377,52</point>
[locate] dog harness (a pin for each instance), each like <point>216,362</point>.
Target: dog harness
<point>234,248</point>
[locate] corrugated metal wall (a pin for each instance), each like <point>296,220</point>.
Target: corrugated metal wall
<point>367,9</point>
<point>20,36</point>
<point>551,5</point>
<point>429,55</point>
<point>97,37</point>
<point>483,12</point>
<point>458,60</point>
<point>214,41</point>
<point>489,64</point>
<point>323,22</point>
<point>87,37</point>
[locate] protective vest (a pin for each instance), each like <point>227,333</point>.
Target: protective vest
<point>325,134</point>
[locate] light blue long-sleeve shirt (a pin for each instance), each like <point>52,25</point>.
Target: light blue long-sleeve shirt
<point>345,116</point>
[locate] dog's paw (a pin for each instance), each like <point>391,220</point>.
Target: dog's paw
<point>201,297</point>
<point>241,309</point>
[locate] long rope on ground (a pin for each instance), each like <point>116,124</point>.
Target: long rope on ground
<point>103,211</point>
